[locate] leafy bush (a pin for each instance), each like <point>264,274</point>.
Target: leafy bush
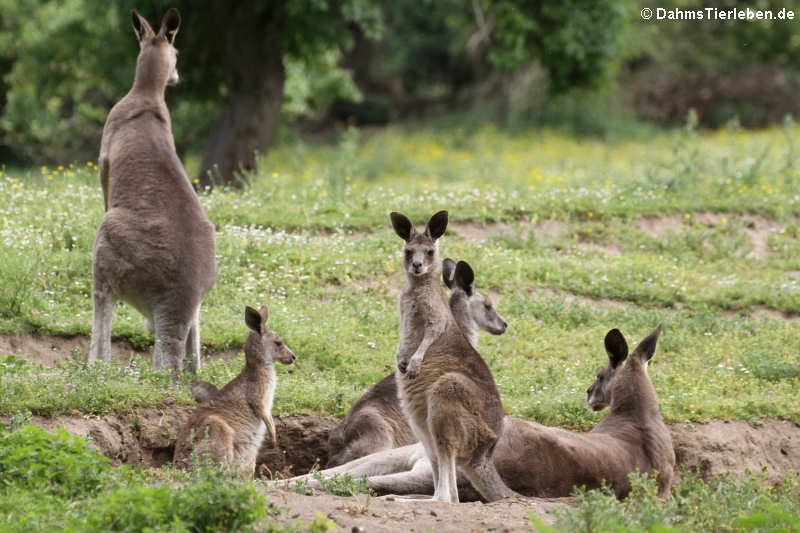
<point>56,482</point>
<point>58,464</point>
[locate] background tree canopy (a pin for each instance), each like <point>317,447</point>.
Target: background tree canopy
<point>249,66</point>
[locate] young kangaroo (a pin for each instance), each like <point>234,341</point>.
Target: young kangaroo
<point>230,427</point>
<point>446,390</point>
<point>376,421</point>
<point>155,246</point>
<point>542,461</point>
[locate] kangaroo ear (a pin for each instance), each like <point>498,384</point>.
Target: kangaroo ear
<point>448,272</point>
<point>464,277</point>
<point>170,24</point>
<point>252,319</point>
<point>140,26</point>
<point>436,225</point>
<point>402,226</point>
<point>616,347</point>
<point>647,347</point>
<point>264,314</point>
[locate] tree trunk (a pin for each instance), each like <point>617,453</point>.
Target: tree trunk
<point>254,75</point>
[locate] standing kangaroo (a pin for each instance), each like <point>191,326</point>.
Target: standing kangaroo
<point>376,422</point>
<point>446,390</point>
<point>230,427</point>
<point>155,246</point>
<point>542,461</point>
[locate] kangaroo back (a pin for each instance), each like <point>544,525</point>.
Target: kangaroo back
<point>154,248</point>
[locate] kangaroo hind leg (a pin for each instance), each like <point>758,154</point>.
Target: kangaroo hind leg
<point>100,344</point>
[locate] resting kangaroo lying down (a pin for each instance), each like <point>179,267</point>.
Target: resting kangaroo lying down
<point>541,461</point>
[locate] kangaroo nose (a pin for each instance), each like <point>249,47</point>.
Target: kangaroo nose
<point>417,265</point>
<point>505,325</point>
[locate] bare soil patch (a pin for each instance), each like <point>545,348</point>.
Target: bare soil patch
<point>758,228</point>
<point>378,515</point>
<point>543,230</point>
<point>50,351</point>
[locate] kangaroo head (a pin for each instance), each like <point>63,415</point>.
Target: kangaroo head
<point>614,381</point>
<point>466,303</point>
<point>264,346</point>
<point>421,250</point>
<point>158,58</point>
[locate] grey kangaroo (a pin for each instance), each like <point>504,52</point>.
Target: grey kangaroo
<point>542,461</point>
<point>446,390</point>
<point>154,248</point>
<point>376,421</point>
<point>230,427</point>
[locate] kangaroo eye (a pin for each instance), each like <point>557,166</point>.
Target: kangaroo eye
<point>278,344</point>
<point>430,253</point>
<point>409,253</point>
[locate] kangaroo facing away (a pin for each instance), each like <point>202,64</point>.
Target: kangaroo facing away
<point>542,461</point>
<point>154,248</point>
<point>230,427</point>
<point>446,390</point>
<point>376,422</point>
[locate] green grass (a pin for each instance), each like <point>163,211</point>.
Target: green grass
<point>311,238</point>
<point>722,504</point>
<point>55,482</point>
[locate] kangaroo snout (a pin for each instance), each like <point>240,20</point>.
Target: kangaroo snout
<point>499,329</point>
<point>288,358</point>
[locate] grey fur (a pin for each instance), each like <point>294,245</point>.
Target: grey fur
<point>446,390</point>
<point>376,421</point>
<point>154,248</point>
<point>230,427</point>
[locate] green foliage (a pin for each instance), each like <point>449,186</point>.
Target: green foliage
<point>343,485</point>
<point>56,482</point>
<point>209,500</point>
<point>721,504</point>
<point>313,83</point>
<point>60,464</point>
<point>574,40</point>
<point>56,114</point>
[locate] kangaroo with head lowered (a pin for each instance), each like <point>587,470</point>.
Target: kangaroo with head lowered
<point>446,390</point>
<point>154,248</point>
<point>376,422</point>
<point>542,461</point>
<point>230,427</point>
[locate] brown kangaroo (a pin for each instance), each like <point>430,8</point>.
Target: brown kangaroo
<point>376,421</point>
<point>542,461</point>
<point>446,390</point>
<point>154,248</point>
<point>230,427</point>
